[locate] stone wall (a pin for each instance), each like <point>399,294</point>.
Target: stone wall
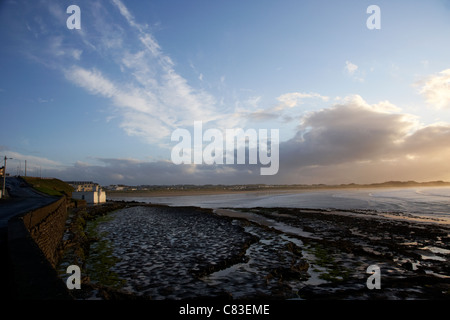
<point>33,240</point>
<point>46,227</point>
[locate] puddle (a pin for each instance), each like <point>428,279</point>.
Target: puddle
<point>432,257</point>
<point>314,271</point>
<point>280,226</point>
<point>437,250</point>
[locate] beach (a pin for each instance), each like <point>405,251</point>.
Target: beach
<point>420,203</point>
<point>187,252</point>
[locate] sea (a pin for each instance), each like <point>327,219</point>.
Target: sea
<point>421,202</point>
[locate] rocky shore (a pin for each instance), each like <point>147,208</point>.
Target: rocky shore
<point>158,252</point>
<point>413,257</point>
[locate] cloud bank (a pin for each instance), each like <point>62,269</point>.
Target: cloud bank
<point>436,89</point>
<point>348,141</point>
<point>352,141</point>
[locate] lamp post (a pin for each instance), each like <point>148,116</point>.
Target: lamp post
<point>4,178</point>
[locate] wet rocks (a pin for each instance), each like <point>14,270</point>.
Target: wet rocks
<point>185,253</point>
<point>413,256</point>
<point>164,251</point>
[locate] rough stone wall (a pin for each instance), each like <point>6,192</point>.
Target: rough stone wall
<point>33,240</point>
<point>46,227</point>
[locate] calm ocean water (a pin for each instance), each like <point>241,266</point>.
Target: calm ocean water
<point>422,202</point>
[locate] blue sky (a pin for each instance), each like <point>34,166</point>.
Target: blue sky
<point>351,104</point>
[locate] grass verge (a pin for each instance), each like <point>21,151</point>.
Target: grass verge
<point>52,187</point>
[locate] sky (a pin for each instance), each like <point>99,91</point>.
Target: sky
<point>352,104</point>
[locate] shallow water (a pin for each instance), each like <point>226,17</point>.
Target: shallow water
<point>354,228</point>
<point>424,202</point>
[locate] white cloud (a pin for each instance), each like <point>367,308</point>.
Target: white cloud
<point>150,98</point>
<point>140,112</point>
<point>386,106</point>
<point>353,71</point>
<point>128,16</point>
<point>151,44</point>
<point>350,67</point>
<point>149,128</point>
<point>294,99</point>
<point>57,48</point>
<point>382,106</point>
<point>436,89</point>
<point>32,161</point>
<point>148,95</point>
<point>93,81</point>
<point>352,141</point>
<point>76,54</point>
<point>362,142</point>
<point>172,100</point>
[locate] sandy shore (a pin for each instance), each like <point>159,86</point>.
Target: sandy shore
<point>263,191</point>
<point>275,253</point>
<point>178,193</point>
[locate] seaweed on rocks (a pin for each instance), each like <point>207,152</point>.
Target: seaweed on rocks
<point>80,242</point>
<point>164,252</point>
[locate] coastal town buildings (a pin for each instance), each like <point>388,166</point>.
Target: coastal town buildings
<point>89,191</point>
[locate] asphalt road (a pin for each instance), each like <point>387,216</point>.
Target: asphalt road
<point>23,199</point>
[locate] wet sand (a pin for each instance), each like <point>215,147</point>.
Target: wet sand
<point>115,195</point>
<point>276,253</point>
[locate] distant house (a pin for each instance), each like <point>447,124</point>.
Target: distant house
<point>89,191</point>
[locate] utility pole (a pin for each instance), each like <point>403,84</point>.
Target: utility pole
<point>4,178</point>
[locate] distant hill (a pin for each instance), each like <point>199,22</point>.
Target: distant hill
<point>261,187</point>
<point>410,184</point>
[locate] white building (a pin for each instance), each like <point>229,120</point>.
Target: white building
<point>89,191</point>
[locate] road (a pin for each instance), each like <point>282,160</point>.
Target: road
<point>23,199</point>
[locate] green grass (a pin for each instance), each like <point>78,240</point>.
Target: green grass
<point>52,187</point>
<point>90,250</point>
<point>101,259</point>
<point>324,259</point>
